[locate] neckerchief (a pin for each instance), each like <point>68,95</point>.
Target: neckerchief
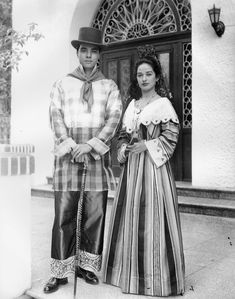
<point>86,94</point>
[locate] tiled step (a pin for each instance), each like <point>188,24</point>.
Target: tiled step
<point>42,191</point>
<point>186,189</point>
<point>207,206</point>
<point>214,206</point>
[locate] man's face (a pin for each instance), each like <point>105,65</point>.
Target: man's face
<point>88,56</point>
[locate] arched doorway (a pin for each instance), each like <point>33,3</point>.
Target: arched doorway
<point>166,25</point>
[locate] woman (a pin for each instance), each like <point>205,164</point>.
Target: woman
<point>144,252</point>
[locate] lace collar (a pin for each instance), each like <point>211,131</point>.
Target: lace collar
<point>160,110</point>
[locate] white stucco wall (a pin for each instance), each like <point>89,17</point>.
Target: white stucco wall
<point>48,60</point>
<point>213,133</point>
<point>15,250</point>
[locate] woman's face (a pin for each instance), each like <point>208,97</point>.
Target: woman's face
<point>146,77</point>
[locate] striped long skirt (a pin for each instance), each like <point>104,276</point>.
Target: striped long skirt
<point>144,252</point>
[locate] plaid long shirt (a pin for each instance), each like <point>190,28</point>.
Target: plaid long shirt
<point>70,118</point>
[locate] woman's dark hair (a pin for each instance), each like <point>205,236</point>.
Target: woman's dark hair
<point>134,90</point>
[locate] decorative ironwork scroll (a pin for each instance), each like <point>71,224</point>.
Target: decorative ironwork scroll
<point>187,85</point>
<point>184,10</point>
<point>131,19</point>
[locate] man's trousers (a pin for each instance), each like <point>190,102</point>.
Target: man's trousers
<point>64,231</point>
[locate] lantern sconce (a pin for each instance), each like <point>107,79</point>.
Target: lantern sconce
<point>218,26</point>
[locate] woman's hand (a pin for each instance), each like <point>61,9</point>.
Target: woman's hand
<point>121,154</point>
<point>137,147</point>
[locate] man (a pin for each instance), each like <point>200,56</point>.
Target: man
<point>84,112</point>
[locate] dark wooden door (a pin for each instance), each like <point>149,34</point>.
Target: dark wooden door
<point>118,64</point>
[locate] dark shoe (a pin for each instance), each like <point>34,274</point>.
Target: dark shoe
<point>53,284</point>
<point>88,276</point>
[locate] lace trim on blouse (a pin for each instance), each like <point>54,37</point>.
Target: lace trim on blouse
<point>160,110</point>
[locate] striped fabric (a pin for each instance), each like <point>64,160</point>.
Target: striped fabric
<point>161,149</point>
<point>144,249</point>
<point>70,118</point>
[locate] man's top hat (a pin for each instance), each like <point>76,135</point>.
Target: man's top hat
<point>88,35</point>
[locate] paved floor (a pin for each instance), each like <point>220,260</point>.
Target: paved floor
<point>209,246</point>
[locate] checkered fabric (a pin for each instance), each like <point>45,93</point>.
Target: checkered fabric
<point>69,118</point>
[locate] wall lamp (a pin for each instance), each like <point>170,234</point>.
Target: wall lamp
<point>218,26</point>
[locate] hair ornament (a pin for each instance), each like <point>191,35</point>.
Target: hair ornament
<point>148,51</point>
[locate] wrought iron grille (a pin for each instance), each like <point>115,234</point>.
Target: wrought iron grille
<point>132,19</point>
<point>184,10</point>
<point>187,85</point>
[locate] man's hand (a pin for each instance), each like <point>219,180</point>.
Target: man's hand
<point>137,147</point>
<point>64,147</point>
<point>82,159</point>
<point>79,150</point>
